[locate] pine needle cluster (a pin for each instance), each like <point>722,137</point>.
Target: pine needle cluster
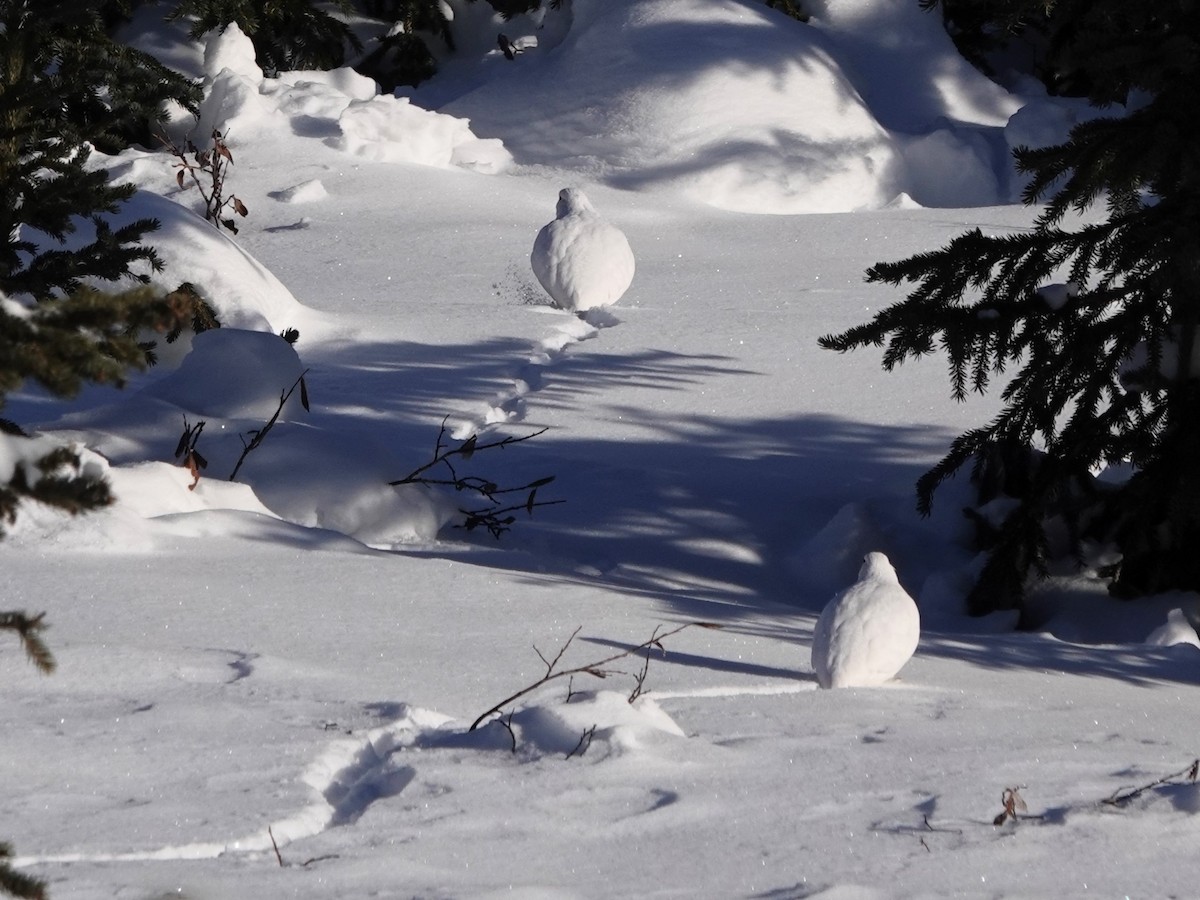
<point>15,883</point>
<point>287,34</point>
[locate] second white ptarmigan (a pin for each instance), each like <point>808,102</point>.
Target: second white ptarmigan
<point>580,259</point>
<point>868,632</point>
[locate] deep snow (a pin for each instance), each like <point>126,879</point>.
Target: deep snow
<point>299,655</point>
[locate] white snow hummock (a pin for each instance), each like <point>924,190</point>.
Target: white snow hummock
<point>868,632</point>
<point>383,128</point>
<point>581,260</point>
<point>230,48</point>
<point>391,129</point>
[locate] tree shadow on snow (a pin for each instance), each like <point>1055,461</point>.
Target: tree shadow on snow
<point>697,511</point>
<point>701,513</point>
<point>1133,663</point>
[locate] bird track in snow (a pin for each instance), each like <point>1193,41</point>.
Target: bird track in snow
<point>509,405</point>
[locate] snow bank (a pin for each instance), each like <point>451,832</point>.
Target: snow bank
<point>391,129</point>
<point>739,107</point>
<point>244,293</point>
<point>238,100</point>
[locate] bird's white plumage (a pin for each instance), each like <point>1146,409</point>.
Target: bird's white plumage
<point>581,260</point>
<point>868,632</point>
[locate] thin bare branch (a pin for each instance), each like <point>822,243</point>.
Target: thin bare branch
<point>1124,795</point>
<point>595,669</point>
<point>275,847</point>
<point>585,741</point>
<point>466,450</point>
<point>260,434</point>
<point>550,664</point>
<point>494,517</point>
<point>28,629</point>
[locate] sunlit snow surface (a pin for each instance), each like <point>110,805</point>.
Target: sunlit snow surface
<point>298,655</point>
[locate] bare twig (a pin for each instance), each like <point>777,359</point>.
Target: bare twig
<point>278,855</point>
<point>506,724</point>
<point>595,669</point>
<point>260,435</point>
<point>442,454</point>
<point>585,741</point>
<point>303,865</point>
<point>929,827</point>
<point>28,629</point>
<point>550,664</point>
<point>494,517</point>
<point>489,517</point>
<point>1119,799</point>
<point>317,859</point>
<point>640,678</point>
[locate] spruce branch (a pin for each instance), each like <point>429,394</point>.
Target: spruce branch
<point>596,669</point>
<point>14,883</point>
<point>29,629</point>
<point>60,481</point>
<point>1104,375</point>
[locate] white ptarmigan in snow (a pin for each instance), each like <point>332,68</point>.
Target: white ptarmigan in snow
<point>868,632</point>
<point>581,260</point>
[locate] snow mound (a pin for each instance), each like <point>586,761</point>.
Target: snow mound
<point>834,555</point>
<point>788,135</point>
<point>390,129</point>
<point>304,192</point>
<point>554,725</point>
<point>806,127</point>
<point>140,492</point>
<point>239,100</point>
<point>231,374</point>
<point>231,49</point>
<point>244,293</point>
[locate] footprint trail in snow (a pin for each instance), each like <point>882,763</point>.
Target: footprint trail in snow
<point>509,405</point>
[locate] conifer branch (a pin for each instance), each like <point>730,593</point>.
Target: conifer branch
<point>28,630</point>
<point>14,882</point>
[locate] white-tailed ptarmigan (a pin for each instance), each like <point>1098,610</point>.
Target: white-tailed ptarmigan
<point>868,632</point>
<point>581,260</point>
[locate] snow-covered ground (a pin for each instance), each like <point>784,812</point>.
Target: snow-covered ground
<point>298,656</point>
